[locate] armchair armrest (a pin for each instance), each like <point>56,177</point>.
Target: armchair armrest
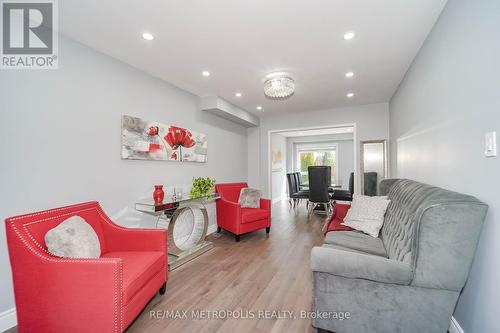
<point>359,266</point>
<point>265,204</point>
<point>132,239</point>
<point>228,215</point>
<point>119,238</point>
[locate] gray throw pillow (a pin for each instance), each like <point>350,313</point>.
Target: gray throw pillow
<point>73,238</point>
<point>249,198</point>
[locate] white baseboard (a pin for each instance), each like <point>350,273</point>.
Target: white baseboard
<point>455,326</point>
<point>8,319</point>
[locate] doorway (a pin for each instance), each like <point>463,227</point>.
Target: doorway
<point>294,150</point>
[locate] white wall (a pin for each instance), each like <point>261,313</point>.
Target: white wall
<point>372,123</point>
<point>279,181</point>
<point>60,135</point>
<point>345,153</point>
<point>449,98</point>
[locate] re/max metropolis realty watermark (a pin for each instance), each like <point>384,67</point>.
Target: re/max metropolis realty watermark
<point>29,34</point>
<point>246,314</point>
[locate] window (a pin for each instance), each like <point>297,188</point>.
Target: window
<point>316,156</point>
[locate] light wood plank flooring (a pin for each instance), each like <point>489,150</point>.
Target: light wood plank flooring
<point>259,273</point>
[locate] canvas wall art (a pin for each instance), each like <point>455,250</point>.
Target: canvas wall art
<point>151,140</point>
<point>277,159</point>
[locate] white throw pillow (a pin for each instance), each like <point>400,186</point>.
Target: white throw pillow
<point>73,238</point>
<point>367,214</point>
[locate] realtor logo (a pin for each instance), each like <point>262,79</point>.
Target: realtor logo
<point>29,34</point>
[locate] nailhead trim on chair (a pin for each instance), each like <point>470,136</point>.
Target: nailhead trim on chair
<point>51,211</point>
<point>116,261</point>
<point>118,297</point>
<point>44,220</point>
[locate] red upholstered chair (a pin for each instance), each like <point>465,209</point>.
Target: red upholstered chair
<point>105,294</point>
<point>233,218</point>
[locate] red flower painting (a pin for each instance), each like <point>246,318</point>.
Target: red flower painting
<point>153,130</point>
<point>179,137</point>
<point>151,140</point>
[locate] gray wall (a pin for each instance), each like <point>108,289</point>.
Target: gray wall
<point>372,123</point>
<point>449,98</point>
<point>345,157</point>
<point>60,138</point>
<point>253,156</point>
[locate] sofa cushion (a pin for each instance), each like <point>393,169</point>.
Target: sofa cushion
<point>342,248</point>
<point>138,269</point>
<point>253,214</point>
<point>358,241</point>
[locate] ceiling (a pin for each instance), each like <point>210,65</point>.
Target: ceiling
<point>320,131</point>
<point>240,42</point>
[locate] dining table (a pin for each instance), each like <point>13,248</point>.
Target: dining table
<point>331,187</point>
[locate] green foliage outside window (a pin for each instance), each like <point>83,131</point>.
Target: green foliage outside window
<point>329,159</point>
<point>308,159</point>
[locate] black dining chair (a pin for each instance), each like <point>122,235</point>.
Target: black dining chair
<point>294,194</point>
<point>319,180</point>
<point>370,183</point>
<point>345,195</point>
<point>302,187</point>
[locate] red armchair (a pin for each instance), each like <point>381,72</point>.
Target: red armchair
<point>56,294</point>
<point>237,220</point>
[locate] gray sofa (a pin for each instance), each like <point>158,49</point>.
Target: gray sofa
<point>407,280</point>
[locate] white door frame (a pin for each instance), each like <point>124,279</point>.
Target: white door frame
<point>355,151</point>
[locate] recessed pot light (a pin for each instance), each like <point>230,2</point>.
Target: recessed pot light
<point>350,95</point>
<point>238,94</point>
<point>148,36</point>
<point>259,108</point>
<point>349,35</point>
<point>205,73</point>
<point>349,74</point>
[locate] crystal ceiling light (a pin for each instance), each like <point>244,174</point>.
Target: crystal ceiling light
<point>279,85</point>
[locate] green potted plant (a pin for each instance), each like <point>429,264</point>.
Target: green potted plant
<point>202,187</point>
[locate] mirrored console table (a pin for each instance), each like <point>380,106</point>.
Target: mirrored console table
<point>187,222</point>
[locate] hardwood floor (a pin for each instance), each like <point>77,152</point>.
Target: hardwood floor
<point>260,273</point>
